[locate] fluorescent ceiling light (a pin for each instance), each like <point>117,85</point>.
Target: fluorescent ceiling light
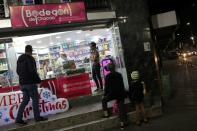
<point>87,34</point>
<point>96,38</point>
<point>78,41</point>
<point>58,37</point>
<point>68,39</point>
<point>79,32</point>
<point>39,41</point>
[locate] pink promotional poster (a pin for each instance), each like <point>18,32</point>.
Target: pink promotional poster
<point>48,14</point>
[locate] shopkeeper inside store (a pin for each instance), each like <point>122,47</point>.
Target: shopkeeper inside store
<point>47,69</point>
<point>61,61</point>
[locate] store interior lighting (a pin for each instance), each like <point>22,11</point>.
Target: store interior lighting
<point>58,37</point>
<point>39,42</point>
<point>87,34</point>
<point>68,39</point>
<point>45,40</point>
<point>79,32</point>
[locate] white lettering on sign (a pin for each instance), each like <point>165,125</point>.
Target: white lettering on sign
<point>48,104</point>
<point>43,12</point>
<point>44,15</point>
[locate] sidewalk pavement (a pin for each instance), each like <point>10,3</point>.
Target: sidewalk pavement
<point>184,119</point>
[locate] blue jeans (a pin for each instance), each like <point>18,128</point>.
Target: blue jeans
<point>29,91</point>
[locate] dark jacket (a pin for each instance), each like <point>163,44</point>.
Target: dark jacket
<point>27,71</point>
<point>136,91</point>
<point>114,86</point>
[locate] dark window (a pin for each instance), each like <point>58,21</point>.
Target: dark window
<point>37,2</point>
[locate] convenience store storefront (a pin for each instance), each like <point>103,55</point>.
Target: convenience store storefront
<point>73,79</point>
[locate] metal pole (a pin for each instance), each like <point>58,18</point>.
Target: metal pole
<point>159,81</point>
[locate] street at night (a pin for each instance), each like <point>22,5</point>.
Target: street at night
<point>98,65</point>
<point>180,112</point>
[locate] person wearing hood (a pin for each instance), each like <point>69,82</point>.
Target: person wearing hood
<point>28,80</point>
<point>115,90</point>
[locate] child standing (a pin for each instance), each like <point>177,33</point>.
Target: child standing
<point>136,94</point>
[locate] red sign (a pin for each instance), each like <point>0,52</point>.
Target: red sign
<point>48,14</point>
<point>63,87</point>
<point>69,86</point>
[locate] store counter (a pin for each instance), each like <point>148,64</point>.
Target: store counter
<point>69,86</point>
<point>63,86</point>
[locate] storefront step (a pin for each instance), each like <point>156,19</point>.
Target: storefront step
<point>107,123</point>
<point>75,115</point>
<point>84,100</point>
<point>79,119</point>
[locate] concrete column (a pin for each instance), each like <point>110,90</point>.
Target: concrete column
<point>135,31</point>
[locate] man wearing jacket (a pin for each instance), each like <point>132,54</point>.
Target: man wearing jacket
<point>28,79</point>
<point>114,90</point>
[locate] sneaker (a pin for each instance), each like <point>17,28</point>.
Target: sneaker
<point>146,120</point>
<point>106,114</point>
<point>101,90</point>
<point>96,90</point>
<point>138,123</point>
<point>41,119</point>
<point>122,125</point>
<point>21,123</point>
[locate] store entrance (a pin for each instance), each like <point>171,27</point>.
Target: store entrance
<point>65,54</point>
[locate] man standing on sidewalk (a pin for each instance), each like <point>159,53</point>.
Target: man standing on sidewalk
<point>28,79</point>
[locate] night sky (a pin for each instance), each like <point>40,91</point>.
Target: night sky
<point>186,12</point>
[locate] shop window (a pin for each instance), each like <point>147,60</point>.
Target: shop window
<point>61,54</point>
<point>37,2</point>
<point>97,4</point>
<point>14,2</point>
